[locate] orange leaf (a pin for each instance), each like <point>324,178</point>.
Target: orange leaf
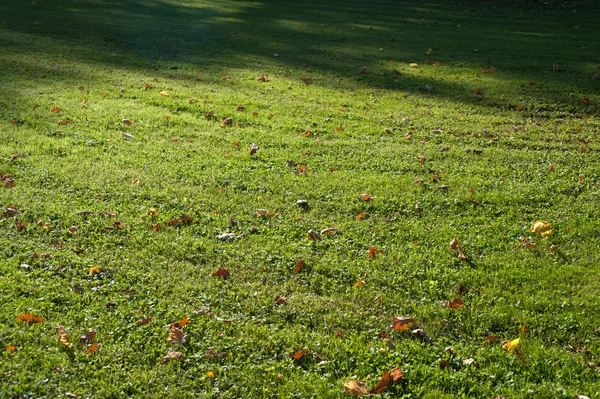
<point>339,129</point>
<point>10,348</point>
<point>30,318</point>
<point>361,216</point>
<point>366,197</point>
<point>585,100</point>
<point>358,283</point>
<point>479,92</point>
<point>20,226</point>
<point>299,266</point>
<point>180,323</point>
<point>306,133</point>
<point>521,107</point>
<point>388,379</point>
<point>56,110</point>
<point>95,270</point>
<point>145,321</point>
<point>84,101</point>
<point>64,122</point>
<point>401,323</point>
<point>136,181</point>
<point>147,86</point>
<point>92,348</point>
<point>491,70</point>
<point>298,354</point>
<point>456,303</point>
<point>255,114</point>
<point>127,122</point>
<point>373,251</point>
<point>222,272</point>
<point>156,228</point>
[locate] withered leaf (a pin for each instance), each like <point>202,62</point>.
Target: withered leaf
<point>87,338</point>
<point>421,334</point>
<point>92,348</point>
<point>401,323</point>
<point>366,197</point>
<point>145,321</point>
<point>471,362</point>
<point>313,235</point>
<point>456,303</point>
<point>280,300</point>
<point>356,388</point>
<point>328,231</point>
<point>222,272</point>
<point>180,323</point>
<point>30,318</point>
<point>176,336</point>
<point>253,149</point>
<point>63,337</point>
<point>543,228</point>
<point>299,266</point>
<point>298,354</point>
<point>373,251</point>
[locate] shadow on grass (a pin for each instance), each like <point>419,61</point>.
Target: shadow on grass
<point>319,40</point>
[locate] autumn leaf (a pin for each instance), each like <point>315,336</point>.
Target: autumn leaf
<point>401,323</point>
<point>421,334</point>
<point>521,107</point>
<point>373,251</point>
<point>356,388</point>
<point>228,121</point>
<point>328,231</point>
<point>164,93</point>
<point>280,300</point>
<point>366,197</point>
<point>87,338</point>
<point>364,70</point>
<point>30,318</point>
<point>180,323</point>
<point>155,228</point>
<point>173,356</point>
<point>92,348</point>
<point>388,379</point>
<point>361,216</point>
<point>145,321</point>
<point>471,362</point>
<point>10,348</point>
<point>63,337</point>
<point>413,65</point>
<point>298,355</point>
<point>479,92</point>
<point>147,86</point>
<point>585,100</point>
<point>176,336</point>
<point>358,283</point>
<point>512,346</point>
<point>490,70</point>
<point>455,246</point>
<point>211,374</point>
<point>127,122</point>
<point>55,110</point>
<point>300,265</point>
<point>543,228</point>
<point>253,149</point>
<point>313,235</point>
<point>456,303</point>
<point>263,78</point>
<point>95,270</point>
<point>222,272</point>
<point>306,133</point>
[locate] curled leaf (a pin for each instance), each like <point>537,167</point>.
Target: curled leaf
<point>176,336</point>
<point>456,303</point>
<point>543,228</point>
<point>356,388</point>
<point>63,337</point>
<point>401,323</point>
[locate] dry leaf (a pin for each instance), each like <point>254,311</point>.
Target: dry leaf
<point>373,251</point>
<point>222,272</point>
<point>136,181</point>
<point>173,356</point>
<point>471,362</point>
<point>10,348</point>
<point>73,229</point>
<point>164,93</point>
<point>180,323</point>
<point>63,337</point>
<point>313,235</point>
<point>361,216</point>
<point>30,318</point>
<point>401,323</point>
<point>211,374</point>
<point>55,110</point>
<point>176,336</point>
<point>585,100</point>
<point>366,197</point>
<point>127,122</point>
<point>299,266</point>
<point>92,348</point>
<point>414,65</point>
<point>95,270</point>
<point>263,78</point>
<point>364,70</point>
<point>145,321</point>
<point>421,334</point>
<point>512,346</point>
<point>328,231</point>
<point>306,133</point>
<point>356,388</point>
<point>456,303</point>
<point>228,121</point>
<point>253,149</point>
<point>87,338</point>
<point>298,354</point>
<point>543,228</point>
<point>358,283</point>
<point>479,92</point>
<point>521,107</point>
<point>280,300</point>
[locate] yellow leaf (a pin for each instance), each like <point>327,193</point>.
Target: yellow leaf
<point>164,93</point>
<point>414,65</point>
<point>541,227</point>
<point>95,270</point>
<point>512,346</point>
<point>63,337</point>
<point>211,374</point>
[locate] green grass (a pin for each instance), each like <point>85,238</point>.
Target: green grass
<point>537,163</point>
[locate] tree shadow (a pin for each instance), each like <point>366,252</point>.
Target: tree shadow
<point>326,41</point>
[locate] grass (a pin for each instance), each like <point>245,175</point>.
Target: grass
<point>458,124</point>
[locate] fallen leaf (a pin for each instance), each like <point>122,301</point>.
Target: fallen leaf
<point>358,283</point>
<point>306,133</point>
<point>127,122</point>
<point>263,78</point>
<point>421,334</point>
<point>491,338</point>
<point>414,65</point>
<point>87,338</point>
<point>479,92</point>
<point>373,251</point>
<point>73,229</point>
<point>313,235</point>
<point>156,228</point>
<point>55,110</point>
<point>585,100</point>
<point>222,272</point>
<point>92,348</point>
<point>10,348</point>
<point>366,197</point>
<point>228,121</point>
<point>328,231</point>
<point>471,362</point>
<point>521,107</point>
<point>145,321</point>
<point>364,70</point>
<point>136,182</point>
<point>176,336</point>
<point>456,303</point>
<point>211,374</point>
<point>356,388</point>
<point>491,70</point>
<point>543,228</point>
<point>63,337</point>
<point>361,216</point>
<point>147,86</point>
<point>30,318</point>
<point>180,323</point>
<point>298,354</point>
<point>174,356</point>
<point>253,149</point>
<point>164,93</point>
<point>280,300</point>
<point>512,346</point>
<point>401,323</point>
<point>299,266</point>
<point>95,270</point>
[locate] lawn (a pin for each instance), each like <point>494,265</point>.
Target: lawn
<point>232,199</point>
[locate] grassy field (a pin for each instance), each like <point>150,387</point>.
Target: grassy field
<point>144,252</point>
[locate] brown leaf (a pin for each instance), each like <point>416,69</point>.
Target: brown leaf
<point>328,231</point>
<point>306,133</point>
<point>491,338</point>
<point>222,272</point>
<point>421,334</point>
<point>55,110</point>
<point>253,149</point>
<point>299,266</point>
<point>373,251</point>
<point>92,348</point>
<point>87,338</point>
<point>145,321</point>
<point>366,197</point>
<point>63,337</point>
<point>127,122</point>
<point>521,107</point>
<point>30,318</point>
<point>20,226</point>
<point>263,78</point>
<point>156,228</point>
<point>176,336</point>
<point>10,348</point>
<point>401,323</point>
<point>383,384</point>
<point>456,303</point>
<point>173,356</point>
<point>280,300</point>
<point>298,354</point>
<point>313,235</point>
<point>356,388</point>
<point>361,216</point>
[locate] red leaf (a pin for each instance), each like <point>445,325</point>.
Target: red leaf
<point>222,272</point>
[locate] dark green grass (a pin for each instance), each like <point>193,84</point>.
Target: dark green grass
<point>539,163</point>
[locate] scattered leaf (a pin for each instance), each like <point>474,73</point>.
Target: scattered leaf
<point>73,229</point>
<point>401,323</point>
<point>366,197</point>
<point>127,122</point>
<point>300,265</point>
<point>63,337</point>
<point>298,355</point>
<point>328,231</point>
<point>585,100</point>
<point>521,107</point>
<point>421,334</point>
<point>512,346</point>
<point>456,303</point>
<point>280,300</point>
<point>211,374</point>
<point>145,321</point>
<point>253,149</point>
<point>87,338</point>
<point>55,110</point>
<point>358,283</point>
<point>313,235</point>
<point>373,251</point>
<point>263,78</point>
<point>222,272</point>
<point>95,270</point>
<point>361,216</point>
<point>173,356</point>
<point>306,133</point>
<point>471,362</point>
<point>92,348</point>
<point>10,348</point>
<point>176,336</point>
<point>356,388</point>
<point>543,228</point>
<point>30,318</point>
<point>414,65</point>
<point>164,93</point>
